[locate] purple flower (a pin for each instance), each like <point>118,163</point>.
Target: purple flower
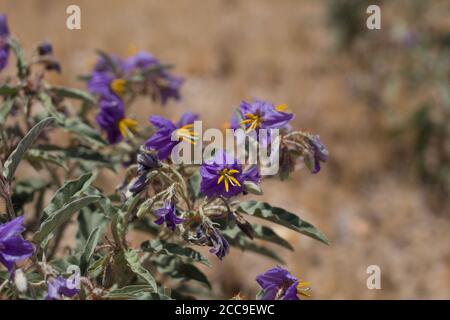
<point>105,80</point>
<point>45,48</point>
<point>60,286</point>
<point>140,61</point>
<point>13,248</point>
<point>220,244</point>
<point>143,69</point>
<point>223,176</point>
<point>320,153</point>
<point>163,85</point>
<point>210,236</point>
<point>168,214</point>
<point>99,83</point>
<point>162,142</point>
<point>263,115</point>
<point>168,87</point>
<point>147,161</point>
<point>279,284</point>
<point>139,184</point>
<point>111,119</point>
<point>234,122</point>
<point>4,46</point>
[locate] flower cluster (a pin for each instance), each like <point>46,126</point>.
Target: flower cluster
<point>113,78</point>
<point>177,205</point>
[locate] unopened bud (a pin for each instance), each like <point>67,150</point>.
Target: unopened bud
<point>20,280</point>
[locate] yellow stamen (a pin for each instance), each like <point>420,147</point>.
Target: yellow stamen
<point>281,107</point>
<point>118,86</point>
<point>227,187</point>
<point>226,175</point>
<point>303,288</point>
<point>127,126</point>
<point>186,134</point>
<point>253,119</point>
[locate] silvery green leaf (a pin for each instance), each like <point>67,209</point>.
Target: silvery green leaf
<point>73,94</point>
<point>36,157</point>
<point>72,124</point>
<point>70,189</point>
<point>85,155</point>
<point>248,245</point>
<point>177,269</point>
<point>83,131</point>
<point>136,292</point>
<point>167,248</point>
<point>104,204</point>
<point>282,217</point>
<point>194,185</point>
<point>132,258</point>
<point>5,110</point>
<point>89,249</point>
<point>14,158</point>
<point>58,217</point>
<point>18,52</point>
<point>253,188</point>
<point>260,232</point>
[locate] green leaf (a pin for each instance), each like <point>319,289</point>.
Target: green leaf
<point>37,157</point>
<point>245,244</point>
<point>50,108</point>
<point>5,110</point>
<point>82,130</point>
<point>105,205</point>
<point>73,94</point>
<point>260,232</point>
<point>282,217</point>
<point>170,249</point>
<point>73,124</point>
<point>133,292</point>
<point>85,154</point>
<point>57,218</point>
<point>7,90</point>
<point>89,249</point>
<point>194,185</point>
<point>18,52</point>
<point>132,259</point>
<point>14,158</point>
<point>253,188</point>
<point>177,269</point>
<point>70,189</point>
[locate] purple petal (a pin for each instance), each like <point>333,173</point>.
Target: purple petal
<point>12,228</point>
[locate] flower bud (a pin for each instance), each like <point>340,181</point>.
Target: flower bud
<point>20,280</point>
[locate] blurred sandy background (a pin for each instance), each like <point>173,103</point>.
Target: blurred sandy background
<point>282,51</point>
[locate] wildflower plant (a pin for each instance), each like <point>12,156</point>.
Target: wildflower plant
<point>181,207</point>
